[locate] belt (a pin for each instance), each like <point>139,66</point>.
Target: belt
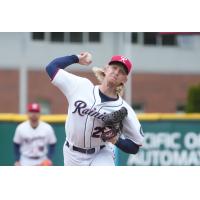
<point>34,157</point>
<point>87,151</point>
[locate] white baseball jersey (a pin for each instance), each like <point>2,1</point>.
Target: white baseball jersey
<point>84,124</point>
<point>34,142</point>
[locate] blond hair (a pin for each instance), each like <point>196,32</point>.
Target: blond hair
<point>99,73</point>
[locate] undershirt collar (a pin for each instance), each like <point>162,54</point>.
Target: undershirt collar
<point>105,98</point>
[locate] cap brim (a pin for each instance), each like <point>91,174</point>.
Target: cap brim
<point>35,111</point>
<point>121,63</point>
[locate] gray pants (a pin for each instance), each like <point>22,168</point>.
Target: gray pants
<point>101,157</point>
<point>26,161</point>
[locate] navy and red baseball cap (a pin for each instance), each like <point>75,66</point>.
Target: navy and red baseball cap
<point>123,60</point>
<point>33,107</point>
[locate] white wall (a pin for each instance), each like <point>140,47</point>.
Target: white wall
<point>15,47</point>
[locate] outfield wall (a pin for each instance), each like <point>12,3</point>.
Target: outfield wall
<point>170,139</point>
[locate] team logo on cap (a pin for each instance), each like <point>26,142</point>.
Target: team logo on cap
<point>123,59</point>
<point>34,106</point>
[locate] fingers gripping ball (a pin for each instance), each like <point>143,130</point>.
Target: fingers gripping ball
<point>113,123</point>
<point>85,58</point>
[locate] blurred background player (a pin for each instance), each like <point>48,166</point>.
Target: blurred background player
<point>34,140</point>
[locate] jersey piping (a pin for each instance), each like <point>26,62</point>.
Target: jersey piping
<point>87,118</point>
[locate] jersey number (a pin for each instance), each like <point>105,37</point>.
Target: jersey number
<point>97,132</point>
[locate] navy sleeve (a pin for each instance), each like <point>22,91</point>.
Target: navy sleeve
<point>51,150</point>
<point>127,146</point>
<point>16,151</point>
<point>60,63</point>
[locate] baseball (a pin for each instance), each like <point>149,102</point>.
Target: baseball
<point>89,57</point>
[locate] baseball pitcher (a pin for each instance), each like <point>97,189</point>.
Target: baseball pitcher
<point>98,117</point>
